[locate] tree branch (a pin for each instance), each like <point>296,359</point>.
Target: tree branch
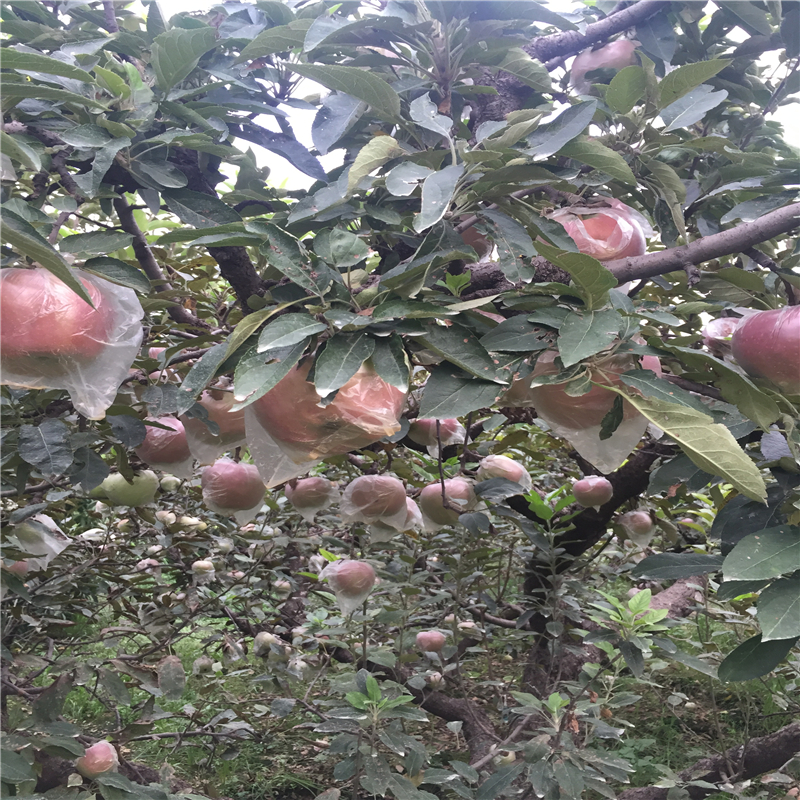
<point>559,45</point>
<point>725,243</point>
<point>144,255</point>
<point>764,754</point>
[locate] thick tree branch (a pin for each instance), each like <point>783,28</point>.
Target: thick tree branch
<point>725,243</point>
<point>144,255</point>
<point>568,43</point>
<point>764,754</point>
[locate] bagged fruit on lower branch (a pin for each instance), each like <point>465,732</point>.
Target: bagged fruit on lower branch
<point>205,444</point>
<point>351,582</point>
<point>310,495</point>
<point>375,498</point>
<point>578,419</point>
<point>50,338</point>
<point>165,447</point>
<point>288,430</point>
<point>424,432</point>
<point>233,488</point>
<point>380,532</point>
<point>605,231</point>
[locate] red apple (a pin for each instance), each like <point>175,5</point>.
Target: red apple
<point>614,55</point>
<point>164,446</point>
<point>373,497</point>
<point>638,526</point>
<point>503,467</point>
<point>231,486</point>
<point>18,568</point>
<point>365,410</point>
<point>477,241</point>
<point>767,345</point>
<point>43,322</point>
<point>458,491</point>
<point>430,641</point>
<point>423,431</point>
<point>605,232</point>
<point>593,490</point>
<point>97,760</point>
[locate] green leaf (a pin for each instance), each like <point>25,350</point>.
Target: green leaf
<point>337,114</point>
<point>46,447</point>
<point>276,40</point>
<point>692,107</point>
<point>673,566</point>
<point>451,392</point>
<point>284,253</point>
<point>710,446</point>
<point>597,155</point>
<point>288,330</point>
<point>584,335</point>
<point>405,178</point>
<point>426,114</point>
<point>754,658</point>
<point>90,182</point>
<point>391,362</point>
<point>518,63</point>
<point>119,272</point>
<point>95,243</point>
<point>683,79</point>
<point>750,14</point>
<point>779,610</point>
<point>496,784</point>
<point>36,62</point>
<point>517,335</point>
<point>626,89</point>
<point>20,151</point>
<point>247,327</point>
<point>25,239</point>
<point>175,53</point>
<point>256,374</point>
<point>375,153</point>
<point>437,192</point>
<point>200,374</point>
<point>16,768</point>
<point>36,91</point>
<point>514,247</point>
<point>198,209</point>
<point>340,359</point>
<point>767,554</point>
<point>650,385</point>
<point>459,346</point>
<point>85,136</point>
<point>592,279</point>
<point>356,82</point>
<point>409,309</point>
<point>549,138</point>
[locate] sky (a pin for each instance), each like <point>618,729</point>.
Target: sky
<point>283,174</point>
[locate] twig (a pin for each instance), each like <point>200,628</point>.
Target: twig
<point>763,260</point>
<point>110,16</point>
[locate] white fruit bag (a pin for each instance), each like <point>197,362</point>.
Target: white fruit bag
<point>206,446</point>
<point>288,431</point>
<point>50,338</point>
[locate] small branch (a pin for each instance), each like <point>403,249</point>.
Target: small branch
<point>763,260</point>
<point>144,255</point>
<point>697,388</point>
<point>735,240</point>
<point>110,16</point>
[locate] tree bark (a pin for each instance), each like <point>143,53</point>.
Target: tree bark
<point>764,754</point>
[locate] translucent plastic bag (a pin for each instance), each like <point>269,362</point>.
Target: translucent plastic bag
<point>605,232</point>
<point>351,582</point>
<point>233,488</point>
<point>166,448</point>
<point>578,419</point>
<point>380,532</point>
<point>288,431</point>
<point>52,339</point>
<point>205,445</point>
<point>310,495</point>
<point>375,498</point>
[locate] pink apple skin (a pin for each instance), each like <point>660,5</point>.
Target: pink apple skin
<point>98,759</point>
<point>614,55</point>
<point>767,345</point>
<point>376,496</point>
<point>352,578</point>
<point>593,490</point>
<point>502,467</point>
<point>637,522</point>
<point>430,641</point>
<point>164,446</point>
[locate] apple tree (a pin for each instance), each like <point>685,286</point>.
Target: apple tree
<point>424,474</point>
